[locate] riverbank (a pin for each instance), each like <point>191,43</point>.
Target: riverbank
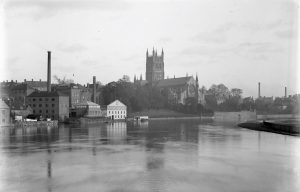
<point>164,114</point>
<point>286,127</point>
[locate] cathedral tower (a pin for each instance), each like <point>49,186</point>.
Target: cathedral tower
<point>155,66</point>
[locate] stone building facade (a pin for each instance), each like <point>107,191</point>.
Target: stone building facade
<point>76,92</point>
<point>155,66</point>
<point>116,110</point>
<point>4,114</point>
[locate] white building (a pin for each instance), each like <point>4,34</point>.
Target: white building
<point>4,114</point>
<point>116,110</point>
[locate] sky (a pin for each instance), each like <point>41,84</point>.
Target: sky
<point>235,42</point>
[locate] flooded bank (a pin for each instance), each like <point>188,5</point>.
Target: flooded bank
<point>160,155</point>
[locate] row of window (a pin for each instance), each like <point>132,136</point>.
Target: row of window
<point>116,112</point>
<point>119,116</point>
<point>41,105</point>
<point>40,111</point>
<point>41,99</point>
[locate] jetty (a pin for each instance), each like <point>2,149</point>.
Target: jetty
<point>287,127</point>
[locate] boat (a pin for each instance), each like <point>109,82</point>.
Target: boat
<point>141,118</point>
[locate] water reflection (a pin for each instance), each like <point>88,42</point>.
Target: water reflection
<point>162,155</point>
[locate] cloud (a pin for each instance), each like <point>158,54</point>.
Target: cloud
<point>72,48</point>
<point>68,4</point>
<point>40,9</point>
<point>285,34</point>
<point>215,36</point>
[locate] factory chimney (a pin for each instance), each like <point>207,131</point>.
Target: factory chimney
<point>49,72</point>
<point>94,89</point>
<point>285,92</point>
<point>258,89</point>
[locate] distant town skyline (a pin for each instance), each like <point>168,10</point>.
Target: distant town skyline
<point>237,43</point>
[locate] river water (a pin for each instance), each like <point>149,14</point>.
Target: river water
<point>159,155</point>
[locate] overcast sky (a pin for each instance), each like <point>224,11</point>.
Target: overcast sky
<point>234,42</point>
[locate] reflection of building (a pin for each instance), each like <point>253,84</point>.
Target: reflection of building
<point>4,114</point>
<point>117,132</point>
<point>86,109</point>
<point>117,110</point>
<point>52,105</point>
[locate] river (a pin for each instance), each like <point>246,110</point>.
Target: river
<point>156,156</point>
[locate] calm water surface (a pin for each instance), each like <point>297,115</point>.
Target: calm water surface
<point>161,155</point>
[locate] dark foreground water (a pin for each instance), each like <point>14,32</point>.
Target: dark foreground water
<point>174,155</point>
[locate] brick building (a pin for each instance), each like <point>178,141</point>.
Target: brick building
<point>54,105</point>
<point>76,92</point>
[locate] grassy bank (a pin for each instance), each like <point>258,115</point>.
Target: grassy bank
<point>161,113</point>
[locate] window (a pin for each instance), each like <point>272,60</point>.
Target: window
<point>40,105</point>
<point>33,111</point>
<point>46,99</point>
<point>40,111</point>
<point>33,99</point>
<point>33,105</point>
<point>53,105</point>
<point>46,111</point>
<point>53,111</point>
<point>46,105</point>
<point>40,99</point>
<point>53,99</point>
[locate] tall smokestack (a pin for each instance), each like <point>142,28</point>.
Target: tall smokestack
<point>94,89</point>
<point>49,72</point>
<point>258,89</point>
<point>285,92</point>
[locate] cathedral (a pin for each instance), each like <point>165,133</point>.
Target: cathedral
<point>178,90</point>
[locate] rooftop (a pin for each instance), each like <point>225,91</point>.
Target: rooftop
<point>47,94</point>
<point>173,82</point>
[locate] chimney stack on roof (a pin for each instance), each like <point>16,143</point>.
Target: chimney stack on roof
<point>49,72</point>
<point>285,92</point>
<point>258,89</point>
<point>94,89</point>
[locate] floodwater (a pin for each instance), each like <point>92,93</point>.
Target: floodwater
<point>159,155</point>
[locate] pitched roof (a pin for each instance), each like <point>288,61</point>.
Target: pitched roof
<point>116,103</point>
<point>89,103</point>
<point>173,82</point>
<point>3,105</point>
<point>36,83</point>
<point>22,86</point>
<point>46,94</point>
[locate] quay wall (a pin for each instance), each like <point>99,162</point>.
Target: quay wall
<point>240,116</point>
<point>278,116</point>
<point>36,124</point>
